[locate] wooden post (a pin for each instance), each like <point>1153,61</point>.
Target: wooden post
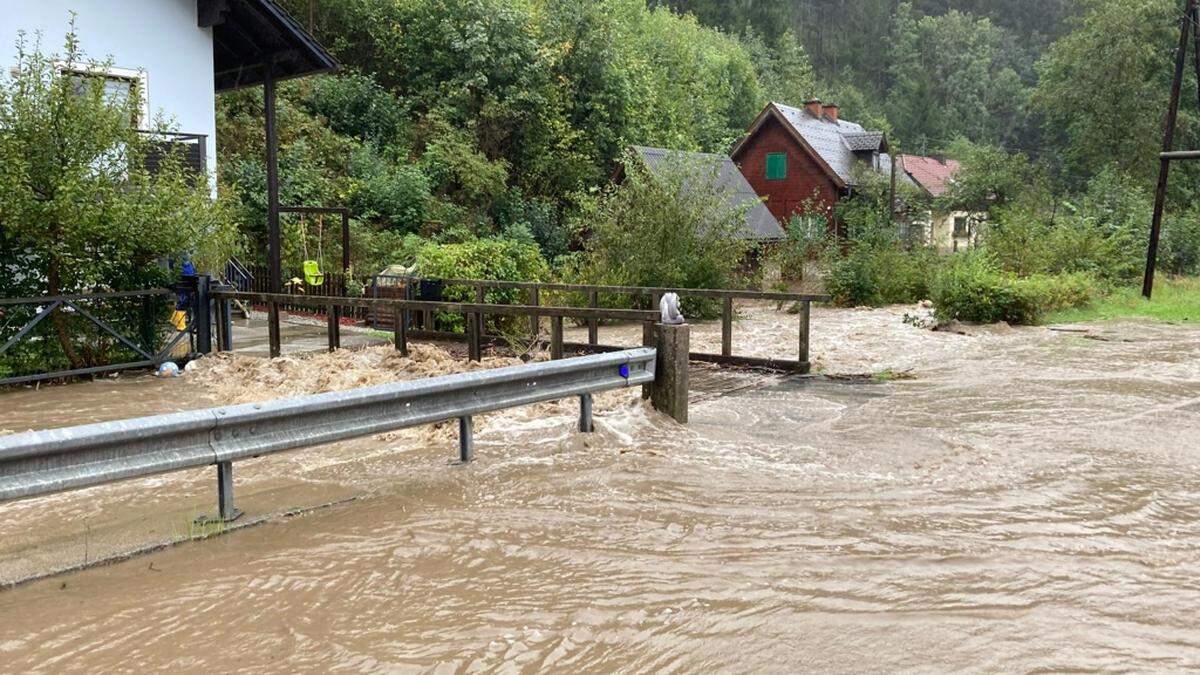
<point>334,328</point>
<point>222,323</point>
<point>805,312</point>
<point>474,350</point>
<point>400,331</point>
<point>273,339</point>
<point>647,341</point>
<point>535,327</point>
<point>556,337</point>
<point>479,318</point>
<point>669,393</point>
<point>593,323</point>
<point>1164,164</point>
<point>727,328</point>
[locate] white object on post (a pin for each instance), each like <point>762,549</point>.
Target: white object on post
<point>669,306</point>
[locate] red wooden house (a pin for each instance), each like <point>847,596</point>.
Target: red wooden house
<point>806,159</point>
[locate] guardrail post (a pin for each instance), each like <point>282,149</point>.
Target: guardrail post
<point>400,330</point>
<point>226,511</point>
<point>273,328</point>
<point>466,440</point>
<point>556,337</point>
<point>593,324</point>
<point>333,327</point>
<point>203,316</point>
<point>669,394</point>
<point>535,321</point>
<point>585,414</point>
<point>805,314</point>
<point>727,327</point>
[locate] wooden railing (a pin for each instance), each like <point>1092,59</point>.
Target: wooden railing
<point>593,294</point>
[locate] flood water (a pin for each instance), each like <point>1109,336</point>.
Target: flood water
<point>1029,502</point>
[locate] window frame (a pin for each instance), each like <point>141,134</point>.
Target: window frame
<point>767,168</point>
<point>137,77</point>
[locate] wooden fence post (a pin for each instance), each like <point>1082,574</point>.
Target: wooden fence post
<point>556,337</point>
<point>535,321</point>
<point>805,312</point>
<point>273,338</point>
<point>593,323</point>
<point>727,328</point>
<point>333,327</point>
<point>400,330</point>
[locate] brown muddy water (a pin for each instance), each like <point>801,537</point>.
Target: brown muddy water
<point>1029,502</point>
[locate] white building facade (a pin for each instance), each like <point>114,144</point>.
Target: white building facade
<point>159,44</point>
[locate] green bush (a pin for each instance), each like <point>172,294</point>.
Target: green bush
<point>655,230</point>
<point>499,259</point>
<point>869,276</point>
<point>396,194</point>
<point>972,288</point>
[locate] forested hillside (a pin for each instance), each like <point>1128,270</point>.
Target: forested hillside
<point>456,121</point>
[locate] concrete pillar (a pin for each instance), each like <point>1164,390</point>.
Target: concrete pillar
<point>669,394</point>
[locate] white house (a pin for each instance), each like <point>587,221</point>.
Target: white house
<point>180,52</point>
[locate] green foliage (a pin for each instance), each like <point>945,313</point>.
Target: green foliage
<point>1179,249</point>
<point>356,105</point>
<point>971,287</point>
<point>1175,299</point>
<point>1105,85</point>
<point>395,196</point>
<point>1101,234</point>
<point>501,259</point>
<point>661,230</point>
<point>80,210</point>
<point>954,75</point>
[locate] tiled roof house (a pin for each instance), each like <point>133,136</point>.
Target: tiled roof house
<point>792,156</point>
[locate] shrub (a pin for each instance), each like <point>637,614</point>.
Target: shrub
<point>656,230</point>
<point>972,288</point>
<point>866,275</point>
<point>399,194</point>
<point>500,259</point>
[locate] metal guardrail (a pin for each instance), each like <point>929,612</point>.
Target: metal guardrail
<point>43,462</point>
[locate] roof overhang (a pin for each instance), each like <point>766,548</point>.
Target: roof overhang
<point>771,112</point>
<point>252,38</point>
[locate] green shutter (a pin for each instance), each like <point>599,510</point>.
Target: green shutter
<point>776,166</point>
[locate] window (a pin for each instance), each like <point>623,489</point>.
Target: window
<point>776,166</point>
<point>120,84</point>
<point>961,229</point>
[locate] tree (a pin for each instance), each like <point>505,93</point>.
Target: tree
<point>78,205</point>
<point>954,75</point>
<point>1104,87</point>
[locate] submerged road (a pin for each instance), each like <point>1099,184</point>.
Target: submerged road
<point>1031,501</point>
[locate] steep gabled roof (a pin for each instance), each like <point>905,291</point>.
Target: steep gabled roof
<point>930,173</point>
<point>838,146</point>
<point>727,179</point>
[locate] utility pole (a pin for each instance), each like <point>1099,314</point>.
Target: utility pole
<point>1189,20</point>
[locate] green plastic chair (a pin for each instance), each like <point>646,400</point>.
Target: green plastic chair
<point>312,273</point>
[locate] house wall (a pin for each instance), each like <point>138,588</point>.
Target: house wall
<point>805,179</point>
<point>160,37</point>
<point>941,234</point>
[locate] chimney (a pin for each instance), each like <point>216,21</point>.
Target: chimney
<point>831,111</point>
<point>813,107</point>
